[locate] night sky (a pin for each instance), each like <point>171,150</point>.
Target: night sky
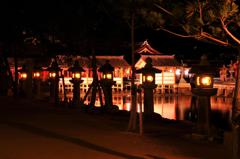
<point>77,23</point>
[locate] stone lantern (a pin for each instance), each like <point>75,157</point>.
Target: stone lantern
<point>107,82</point>
<point>148,79</point>
<point>54,71</point>
<point>76,71</point>
<point>202,87</point>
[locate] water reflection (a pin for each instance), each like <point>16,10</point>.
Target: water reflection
<point>177,107</point>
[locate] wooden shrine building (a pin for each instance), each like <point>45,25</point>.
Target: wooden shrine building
<point>167,63</point>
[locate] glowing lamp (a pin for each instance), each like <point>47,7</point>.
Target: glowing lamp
<point>76,75</point>
<point>178,72</point>
<point>107,71</point>
<point>204,81</point>
<point>52,74</point>
<point>37,73</point>
<point>23,73</point>
<point>202,75</point>
<point>148,73</point>
<point>53,70</point>
<point>148,78</point>
<point>76,71</point>
<point>107,76</point>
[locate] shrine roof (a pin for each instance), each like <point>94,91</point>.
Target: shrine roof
<point>146,49</point>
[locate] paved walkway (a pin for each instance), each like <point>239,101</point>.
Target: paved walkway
<point>37,130</point>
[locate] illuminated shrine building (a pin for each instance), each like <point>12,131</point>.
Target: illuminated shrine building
<point>167,63</point>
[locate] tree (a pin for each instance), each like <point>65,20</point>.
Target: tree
<point>130,12</point>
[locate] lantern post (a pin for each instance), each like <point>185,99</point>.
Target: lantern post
<point>54,71</point>
<point>148,79</point>
<point>76,80</point>
<point>107,83</point>
<point>202,87</point>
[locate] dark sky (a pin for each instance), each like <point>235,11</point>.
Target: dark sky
<point>77,22</point>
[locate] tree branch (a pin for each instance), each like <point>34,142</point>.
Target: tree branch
<point>176,34</point>
<point>228,32</point>
<point>210,37</point>
<point>163,9</point>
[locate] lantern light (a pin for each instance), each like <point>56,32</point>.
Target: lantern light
<point>178,72</point>
<point>107,71</point>
<point>53,70</point>
<point>76,70</point>
<point>148,78</point>
<point>204,81</point>
<point>148,72</point>
<point>76,75</point>
<point>37,72</point>
<point>23,73</point>
<point>52,74</point>
<point>186,72</point>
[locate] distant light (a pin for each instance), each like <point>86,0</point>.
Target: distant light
<point>186,72</point>
<point>178,72</point>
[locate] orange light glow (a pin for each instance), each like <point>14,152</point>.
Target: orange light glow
<point>206,81</point>
<point>109,76</point>
<point>36,74</point>
<point>76,75</point>
<point>149,78</point>
<point>52,74</point>
<point>23,76</point>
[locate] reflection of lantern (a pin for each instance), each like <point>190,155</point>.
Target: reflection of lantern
<point>76,71</point>
<point>23,73</point>
<point>107,71</point>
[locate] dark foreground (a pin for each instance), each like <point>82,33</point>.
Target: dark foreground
<point>38,130</point>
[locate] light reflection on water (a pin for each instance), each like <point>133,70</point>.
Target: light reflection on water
<point>177,107</point>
